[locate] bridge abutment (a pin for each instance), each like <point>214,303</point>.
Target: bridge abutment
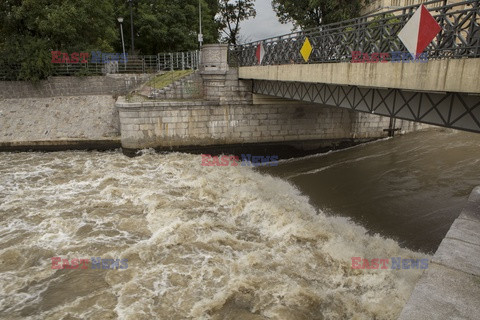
<point>230,115</point>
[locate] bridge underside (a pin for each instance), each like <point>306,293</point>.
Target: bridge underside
<point>455,110</point>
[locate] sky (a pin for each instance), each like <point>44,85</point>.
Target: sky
<point>265,24</point>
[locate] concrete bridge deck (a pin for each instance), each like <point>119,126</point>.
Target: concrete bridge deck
<point>453,75</point>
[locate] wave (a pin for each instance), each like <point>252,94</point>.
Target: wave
<point>201,243</point>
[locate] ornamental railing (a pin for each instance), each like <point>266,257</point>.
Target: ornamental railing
<point>459,37</point>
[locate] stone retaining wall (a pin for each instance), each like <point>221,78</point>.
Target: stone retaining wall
<point>183,123</point>
<point>58,119</point>
<point>72,86</point>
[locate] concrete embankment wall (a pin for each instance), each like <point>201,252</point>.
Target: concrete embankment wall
<point>59,121</point>
<point>62,112</point>
<point>450,287</point>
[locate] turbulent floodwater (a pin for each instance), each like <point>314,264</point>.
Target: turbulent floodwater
<point>201,243</point>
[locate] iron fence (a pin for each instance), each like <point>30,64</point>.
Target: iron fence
<point>134,64</point>
<point>459,37</point>
<point>178,60</point>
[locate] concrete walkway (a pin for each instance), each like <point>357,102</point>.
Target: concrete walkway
<point>450,287</point>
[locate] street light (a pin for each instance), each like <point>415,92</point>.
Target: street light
<point>200,34</point>
<point>131,25</point>
<point>120,20</point>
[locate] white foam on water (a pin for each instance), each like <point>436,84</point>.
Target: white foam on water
<point>201,242</point>
<point>337,164</point>
<point>323,154</point>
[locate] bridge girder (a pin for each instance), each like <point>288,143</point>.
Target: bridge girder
<point>446,109</point>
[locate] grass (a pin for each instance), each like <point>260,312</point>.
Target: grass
<point>170,77</point>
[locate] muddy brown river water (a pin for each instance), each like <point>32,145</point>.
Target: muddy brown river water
<point>226,242</point>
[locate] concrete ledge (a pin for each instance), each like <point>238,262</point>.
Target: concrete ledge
<point>450,75</point>
<point>283,149</point>
<point>450,288</point>
<point>61,145</point>
<point>465,229</point>
<point>121,103</point>
<point>471,211</point>
<point>475,196</point>
<point>458,254</point>
<point>444,293</point>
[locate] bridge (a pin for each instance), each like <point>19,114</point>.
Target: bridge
<point>439,87</point>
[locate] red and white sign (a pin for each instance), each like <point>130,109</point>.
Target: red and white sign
<point>260,53</point>
<point>419,31</point>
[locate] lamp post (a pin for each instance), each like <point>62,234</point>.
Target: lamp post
<point>200,34</point>
<point>131,26</point>
<point>120,20</point>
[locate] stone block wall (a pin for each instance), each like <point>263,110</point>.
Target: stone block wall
<point>72,86</point>
<point>214,57</point>
<point>175,124</point>
<point>225,87</point>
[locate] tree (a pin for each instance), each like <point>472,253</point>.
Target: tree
<point>167,26</point>
<point>31,29</point>
<point>308,14</point>
<point>230,14</point>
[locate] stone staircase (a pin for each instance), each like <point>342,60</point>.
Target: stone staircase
<point>188,87</point>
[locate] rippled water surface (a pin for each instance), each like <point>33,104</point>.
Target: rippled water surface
<point>201,242</point>
<point>410,188</point>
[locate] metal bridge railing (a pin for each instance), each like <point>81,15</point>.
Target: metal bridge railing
<point>135,64</point>
<point>459,37</point>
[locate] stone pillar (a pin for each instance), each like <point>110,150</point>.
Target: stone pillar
<point>214,57</point>
<point>213,68</point>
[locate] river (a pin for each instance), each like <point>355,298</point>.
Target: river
<point>410,188</point>
<point>227,242</point>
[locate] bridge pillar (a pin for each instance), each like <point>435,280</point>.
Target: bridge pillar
<point>213,69</point>
<point>214,57</point>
